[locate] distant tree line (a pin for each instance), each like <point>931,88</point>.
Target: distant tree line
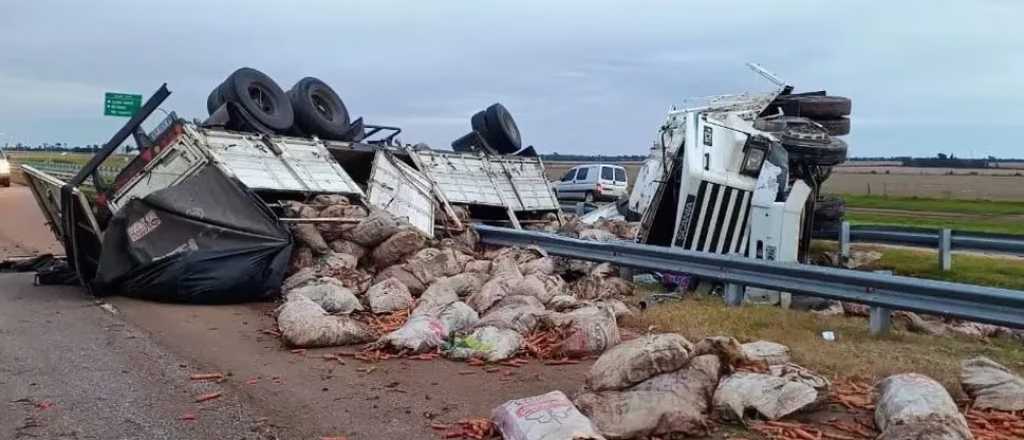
<point>593,158</point>
<point>941,160</point>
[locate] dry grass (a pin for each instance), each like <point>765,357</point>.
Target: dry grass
<point>853,353</point>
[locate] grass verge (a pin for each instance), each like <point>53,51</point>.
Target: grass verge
<point>980,207</point>
<point>995,271</point>
<point>990,224</point>
<point>854,352</point>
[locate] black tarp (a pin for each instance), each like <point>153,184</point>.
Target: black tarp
<point>205,240</point>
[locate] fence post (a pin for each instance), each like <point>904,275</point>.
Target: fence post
<point>879,321</point>
<point>880,318</point>
<point>945,248</point>
<point>844,240</point>
<point>734,294</point>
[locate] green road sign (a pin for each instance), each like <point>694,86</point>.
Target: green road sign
<point>121,104</point>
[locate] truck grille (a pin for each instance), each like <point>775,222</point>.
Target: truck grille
<point>716,220</point>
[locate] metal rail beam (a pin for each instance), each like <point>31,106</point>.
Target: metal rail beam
<point>976,303</point>
<point>929,238</point>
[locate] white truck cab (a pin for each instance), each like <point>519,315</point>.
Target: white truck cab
<point>733,174</point>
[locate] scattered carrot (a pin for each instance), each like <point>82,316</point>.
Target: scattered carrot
<point>208,396</point>
<point>207,376</point>
<point>476,428</point>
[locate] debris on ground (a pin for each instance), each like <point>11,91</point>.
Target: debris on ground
<point>769,396</point>
<point>635,361</point>
<point>914,406</point>
<point>532,418</point>
<point>477,428</point>
<point>379,279</point>
<point>767,352</point>
<point>208,396</point>
<point>991,385</point>
<point>995,425</point>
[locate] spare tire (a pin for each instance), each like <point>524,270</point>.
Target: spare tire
<point>502,132</point>
<point>318,110</point>
<point>815,106</point>
<point>836,127</point>
<point>215,100</point>
<point>261,97</point>
<point>479,123</point>
<point>829,208</point>
<point>817,154</point>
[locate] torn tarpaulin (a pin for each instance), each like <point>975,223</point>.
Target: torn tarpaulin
<point>205,240</point>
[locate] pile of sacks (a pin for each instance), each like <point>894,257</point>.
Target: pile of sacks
<point>465,301</point>
<point>603,229</point>
<point>662,385</point>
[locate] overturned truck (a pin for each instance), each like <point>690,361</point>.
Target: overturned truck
<point>200,214</point>
<point>740,174</point>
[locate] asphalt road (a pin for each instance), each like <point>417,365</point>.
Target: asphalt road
<point>71,369</point>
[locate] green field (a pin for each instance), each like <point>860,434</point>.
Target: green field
<point>1003,217</point>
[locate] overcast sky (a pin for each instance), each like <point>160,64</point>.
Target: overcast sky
<point>578,76</point>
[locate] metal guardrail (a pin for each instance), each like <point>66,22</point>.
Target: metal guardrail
<point>63,170</point>
<point>883,292</point>
<point>922,237</point>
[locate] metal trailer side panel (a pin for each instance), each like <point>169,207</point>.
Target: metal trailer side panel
<point>526,179</point>
<point>402,191</point>
<point>168,168</point>
<point>278,163</point>
<point>511,182</point>
<point>464,179</point>
<point>46,190</point>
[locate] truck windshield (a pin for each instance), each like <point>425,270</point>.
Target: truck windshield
<point>569,176</point>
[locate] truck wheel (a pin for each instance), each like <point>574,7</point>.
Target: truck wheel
<point>502,130</point>
<point>215,100</point>
<point>5,182</point>
<point>814,106</point>
<point>479,124</point>
<point>836,127</point>
<point>824,154</point>
<point>318,110</point>
<point>261,97</point>
<point>829,208</point>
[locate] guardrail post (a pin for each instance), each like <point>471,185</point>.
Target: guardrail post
<point>734,294</point>
<point>880,321</point>
<point>945,248</point>
<point>844,240</point>
<point>579,208</point>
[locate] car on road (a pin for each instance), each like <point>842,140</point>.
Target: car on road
<point>592,182</point>
<point>5,170</point>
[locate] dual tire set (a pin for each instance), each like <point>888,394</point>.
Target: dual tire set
<point>309,108</point>
<point>810,127</point>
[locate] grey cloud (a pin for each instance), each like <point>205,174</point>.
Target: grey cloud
<point>593,76</point>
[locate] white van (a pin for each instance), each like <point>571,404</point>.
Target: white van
<point>592,182</point>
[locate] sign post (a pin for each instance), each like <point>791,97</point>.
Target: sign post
<point>121,104</point>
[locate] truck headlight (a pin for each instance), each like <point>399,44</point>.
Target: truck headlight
<point>5,167</point>
<point>753,158</point>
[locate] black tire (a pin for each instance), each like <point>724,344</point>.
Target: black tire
<point>261,97</point>
<point>318,109</point>
<point>479,124</point>
<point>215,100</point>
<point>815,106</point>
<point>503,134</point>
<point>829,209</point>
<point>770,125</point>
<point>817,154</point>
<point>836,127</point>
<point>5,182</point>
